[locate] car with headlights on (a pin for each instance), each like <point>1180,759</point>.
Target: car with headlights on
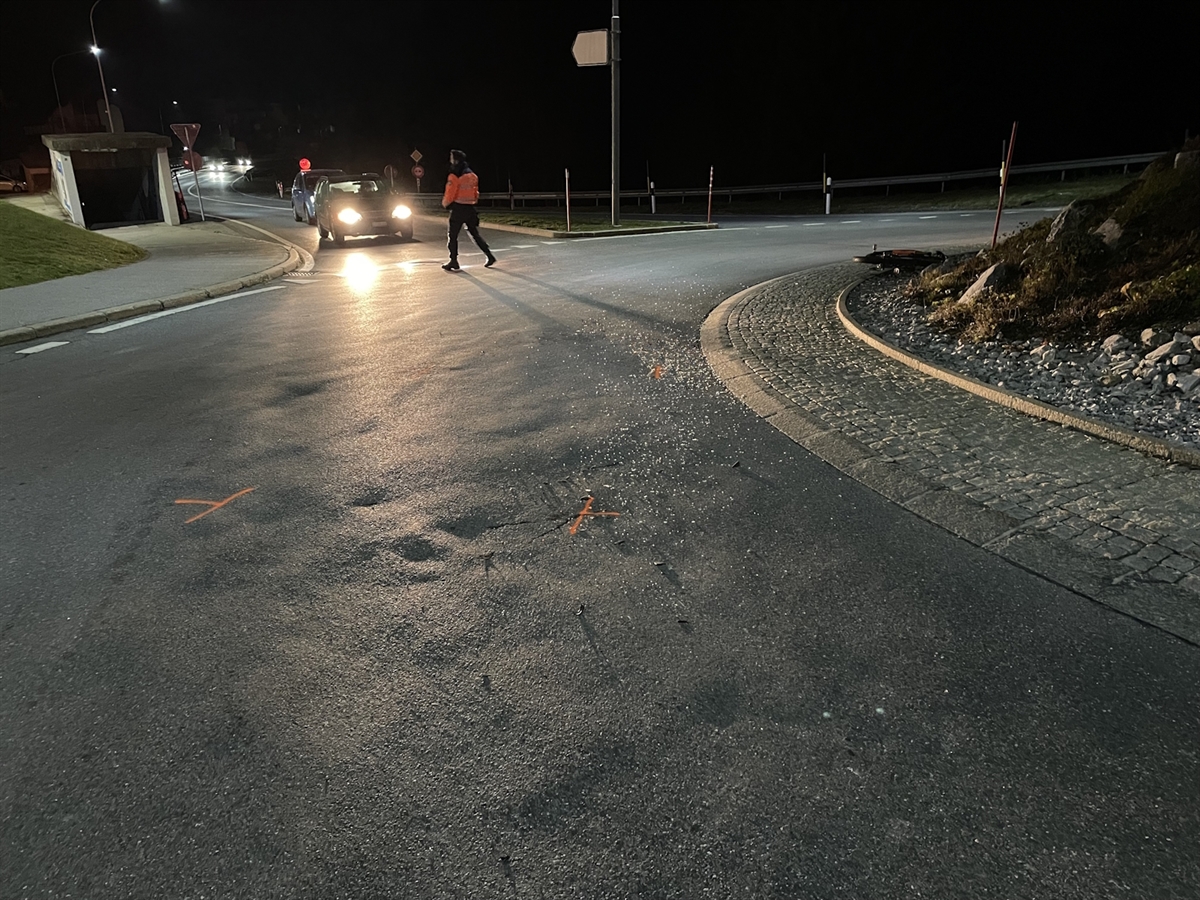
<point>354,205</point>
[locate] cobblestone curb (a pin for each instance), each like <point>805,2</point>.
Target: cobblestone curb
<point>1099,519</point>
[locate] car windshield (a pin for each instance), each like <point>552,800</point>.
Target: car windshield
<point>310,181</point>
<point>357,186</point>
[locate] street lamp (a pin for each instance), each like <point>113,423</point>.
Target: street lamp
<point>96,52</point>
<point>54,78</point>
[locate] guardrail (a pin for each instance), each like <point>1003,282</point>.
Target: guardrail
<point>1102,162</point>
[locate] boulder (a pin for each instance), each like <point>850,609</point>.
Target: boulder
<point>1154,337</point>
<point>1187,383</point>
<point>1166,351</point>
<point>1109,232</point>
<point>1187,158</point>
<point>1115,343</point>
<point>992,277</point>
<point>1196,343</point>
<point>1067,221</point>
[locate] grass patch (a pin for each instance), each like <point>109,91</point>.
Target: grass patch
<point>37,248</point>
<point>1068,282</point>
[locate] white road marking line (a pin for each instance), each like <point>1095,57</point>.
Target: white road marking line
<point>850,222</point>
<point>522,246</point>
<point>813,224</point>
<point>926,217</point>
<point>965,215</point>
<point>49,345</point>
<point>170,312</point>
<point>625,237</point>
<point>776,226</point>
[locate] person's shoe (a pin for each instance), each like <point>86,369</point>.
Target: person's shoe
<point>451,266</point>
<point>491,261</point>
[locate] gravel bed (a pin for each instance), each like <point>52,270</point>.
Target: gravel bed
<point>1108,380</point>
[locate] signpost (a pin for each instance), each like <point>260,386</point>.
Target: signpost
<point>1004,183</point>
<point>418,171</point>
<point>187,134</point>
<point>598,48</point>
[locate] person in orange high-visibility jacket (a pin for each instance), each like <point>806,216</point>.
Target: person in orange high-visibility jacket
<point>460,197</point>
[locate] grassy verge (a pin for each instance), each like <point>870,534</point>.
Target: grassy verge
<point>37,248</point>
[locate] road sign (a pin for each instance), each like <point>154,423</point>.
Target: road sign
<point>416,156</point>
<point>186,133</point>
<point>591,48</point>
<point>305,165</point>
<point>418,171</point>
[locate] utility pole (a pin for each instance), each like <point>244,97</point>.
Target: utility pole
<point>615,66</point>
<point>96,51</point>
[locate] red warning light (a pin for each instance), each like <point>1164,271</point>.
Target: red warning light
<point>305,165</point>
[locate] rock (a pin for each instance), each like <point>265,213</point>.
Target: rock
<point>1114,343</point>
<point>1154,337</point>
<point>1109,380</point>
<point>1187,383</point>
<point>993,277</point>
<point>1192,329</point>
<point>1167,350</point>
<point>1109,232</point>
<point>1186,158</point>
<point>1067,221</point>
<point>1181,338</point>
<point>1179,360</point>
<point>1196,343</point>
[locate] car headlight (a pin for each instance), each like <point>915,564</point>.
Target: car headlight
<point>401,212</point>
<point>349,216</point>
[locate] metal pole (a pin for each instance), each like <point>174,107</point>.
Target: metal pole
<point>615,65</point>
<point>96,51</point>
<point>1004,183</point>
<point>567,174</point>
<point>710,184</point>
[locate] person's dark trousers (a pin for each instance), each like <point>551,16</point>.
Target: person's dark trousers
<point>464,214</point>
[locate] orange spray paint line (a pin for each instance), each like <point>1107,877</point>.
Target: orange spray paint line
<point>213,505</point>
<point>587,511</point>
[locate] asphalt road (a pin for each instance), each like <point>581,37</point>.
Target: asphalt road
<point>399,662</point>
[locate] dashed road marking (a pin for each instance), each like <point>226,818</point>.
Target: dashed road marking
<point>170,312</point>
<point>926,217</point>
<point>49,345</point>
<point>776,226</point>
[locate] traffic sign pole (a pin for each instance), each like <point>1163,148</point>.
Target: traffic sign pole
<point>187,134</point>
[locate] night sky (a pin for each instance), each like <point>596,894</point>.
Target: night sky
<point>757,89</point>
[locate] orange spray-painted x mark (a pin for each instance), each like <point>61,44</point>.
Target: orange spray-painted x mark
<point>213,505</point>
<point>587,511</point>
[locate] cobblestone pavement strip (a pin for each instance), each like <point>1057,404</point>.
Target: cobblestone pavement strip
<point>1103,520</point>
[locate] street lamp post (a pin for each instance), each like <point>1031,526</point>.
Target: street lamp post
<point>96,51</point>
<point>54,78</point>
